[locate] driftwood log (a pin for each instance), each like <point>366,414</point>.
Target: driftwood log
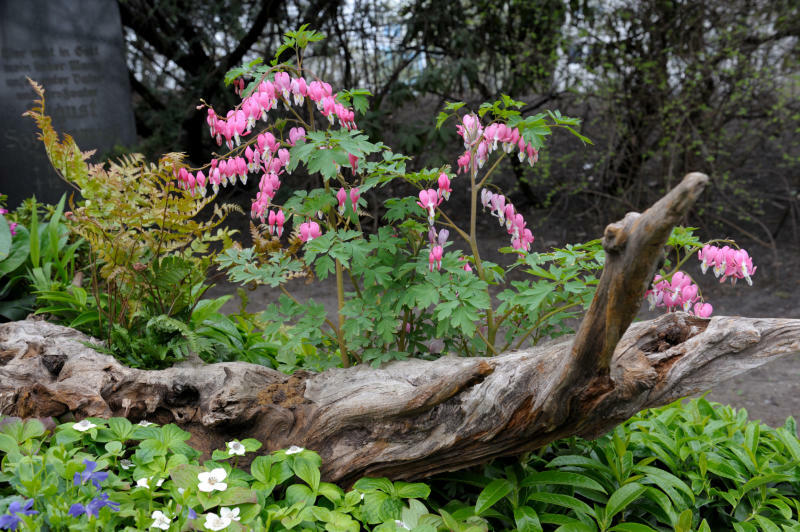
<point>414,418</point>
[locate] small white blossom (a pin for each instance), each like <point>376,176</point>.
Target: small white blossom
<point>181,490</point>
<point>234,447</point>
<point>212,480</point>
<point>125,463</point>
<point>84,425</point>
<point>215,522</point>
<point>145,482</point>
<point>144,423</point>
<point>230,514</point>
<point>294,449</point>
<point>160,520</point>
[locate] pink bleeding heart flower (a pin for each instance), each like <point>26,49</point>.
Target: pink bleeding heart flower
<point>341,196</point>
<point>296,134</point>
<point>276,220</point>
<point>444,186</point>
<point>354,195</point>
<point>429,199</point>
<point>435,258</point>
<point>309,231</point>
<point>443,235</point>
<point>463,162</point>
<point>353,162</point>
<point>703,310</point>
<point>486,197</point>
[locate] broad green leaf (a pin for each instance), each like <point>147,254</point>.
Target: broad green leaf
<point>185,476</point>
<point>381,484</point>
<point>416,490</point>
<point>235,495</point>
<point>308,472</point>
<point>526,519</point>
<point>32,428</point>
<point>20,250</point>
<point>300,493</point>
<point>8,444</point>
<point>5,238</point>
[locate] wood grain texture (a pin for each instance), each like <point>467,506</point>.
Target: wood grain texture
<point>410,419</point>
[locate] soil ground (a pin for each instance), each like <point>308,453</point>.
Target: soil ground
<point>770,393</point>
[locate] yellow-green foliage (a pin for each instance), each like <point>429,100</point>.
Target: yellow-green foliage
<point>142,229</point>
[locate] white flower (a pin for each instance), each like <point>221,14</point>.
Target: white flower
<point>215,522</point>
<point>160,520</point>
<point>145,482</point>
<point>212,480</point>
<point>294,449</point>
<point>84,425</point>
<point>144,423</point>
<point>181,490</point>
<point>401,524</point>
<point>229,514</point>
<point>125,463</point>
<point>234,447</point>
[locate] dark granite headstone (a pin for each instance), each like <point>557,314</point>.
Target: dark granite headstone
<point>75,49</point>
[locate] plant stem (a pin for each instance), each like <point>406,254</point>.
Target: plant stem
<point>340,306</point>
<point>491,327</point>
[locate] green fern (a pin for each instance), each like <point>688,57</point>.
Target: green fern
<point>151,250</point>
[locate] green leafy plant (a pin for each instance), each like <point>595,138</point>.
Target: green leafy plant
<point>41,262</point>
<point>143,474</point>
<point>398,290</point>
<point>150,253</point>
<point>693,466</point>
<point>688,467</point>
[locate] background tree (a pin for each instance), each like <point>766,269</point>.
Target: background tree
<point>664,87</point>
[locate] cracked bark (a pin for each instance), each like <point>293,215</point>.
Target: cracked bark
<point>410,419</point>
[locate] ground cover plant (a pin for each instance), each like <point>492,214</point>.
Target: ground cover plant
<point>692,467</point>
<point>400,289</point>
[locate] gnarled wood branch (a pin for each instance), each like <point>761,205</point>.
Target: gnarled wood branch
<point>413,418</point>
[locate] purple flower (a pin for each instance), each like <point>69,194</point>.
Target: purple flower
<point>192,514</point>
<point>11,520</point>
<point>77,510</point>
<point>93,508</point>
<point>88,474</point>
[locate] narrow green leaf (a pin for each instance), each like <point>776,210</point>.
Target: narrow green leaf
<point>766,524</point>
<point>632,527</point>
<point>621,498</point>
<point>565,501</point>
<point>576,527</point>
<point>576,480</point>
<point>496,490</point>
<point>34,231</point>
